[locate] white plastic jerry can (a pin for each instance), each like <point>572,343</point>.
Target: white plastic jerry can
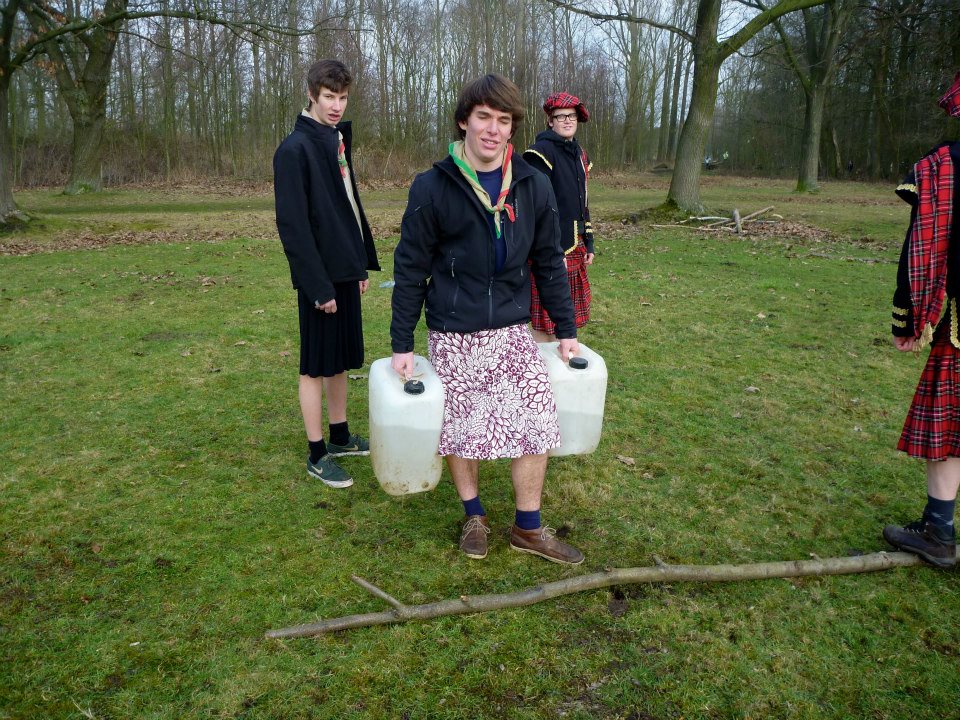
<point>405,421</point>
<point>579,390</point>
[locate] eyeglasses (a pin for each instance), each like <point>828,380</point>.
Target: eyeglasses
<point>565,117</point>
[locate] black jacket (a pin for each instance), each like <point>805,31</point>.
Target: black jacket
<point>567,166</point>
<point>907,191</point>
<point>445,257</point>
<point>318,229</point>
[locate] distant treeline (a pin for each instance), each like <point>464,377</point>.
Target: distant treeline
<point>192,100</point>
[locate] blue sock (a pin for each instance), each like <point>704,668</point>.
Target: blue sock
<point>939,512</point>
<point>317,449</point>
<point>527,519</point>
<point>473,507</point>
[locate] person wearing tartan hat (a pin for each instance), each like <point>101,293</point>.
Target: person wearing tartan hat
<point>925,312</point>
<point>329,247</point>
<point>477,225</point>
<point>557,154</point>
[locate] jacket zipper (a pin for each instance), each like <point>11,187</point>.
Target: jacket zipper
<point>456,287</point>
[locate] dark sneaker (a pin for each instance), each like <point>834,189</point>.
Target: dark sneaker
<point>473,537</point>
<point>356,445</point>
<point>543,542</point>
<point>925,539</point>
<point>329,473</point>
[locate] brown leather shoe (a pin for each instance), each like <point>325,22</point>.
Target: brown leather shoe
<point>543,542</point>
<point>473,537</point>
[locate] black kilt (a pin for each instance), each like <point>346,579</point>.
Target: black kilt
<point>331,343</point>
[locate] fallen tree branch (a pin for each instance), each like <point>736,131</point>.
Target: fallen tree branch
<point>660,573</point>
<point>745,218</point>
<point>377,592</point>
<point>708,228</point>
<point>701,218</point>
<point>751,216</point>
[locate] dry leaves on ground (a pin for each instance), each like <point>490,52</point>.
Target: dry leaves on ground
<point>96,241</point>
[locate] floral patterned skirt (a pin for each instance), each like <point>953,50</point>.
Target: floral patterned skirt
<point>499,403</point>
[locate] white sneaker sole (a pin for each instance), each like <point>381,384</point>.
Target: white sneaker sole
<point>338,484</point>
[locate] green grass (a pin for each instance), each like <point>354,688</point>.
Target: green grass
<point>156,518</point>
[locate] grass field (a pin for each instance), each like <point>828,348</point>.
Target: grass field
<point>156,518</point>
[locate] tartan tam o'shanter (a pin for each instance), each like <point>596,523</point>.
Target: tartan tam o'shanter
<point>928,241</point>
<point>561,100</point>
<point>951,101</point>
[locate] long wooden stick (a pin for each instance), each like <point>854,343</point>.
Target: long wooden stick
<point>661,573</point>
<point>752,215</point>
<point>744,219</point>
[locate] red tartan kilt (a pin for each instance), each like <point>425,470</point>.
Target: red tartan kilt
<point>579,292</point>
<point>932,427</point>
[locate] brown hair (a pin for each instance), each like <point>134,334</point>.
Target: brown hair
<point>330,74</point>
<point>494,91</point>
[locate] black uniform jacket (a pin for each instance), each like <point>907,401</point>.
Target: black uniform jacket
<point>902,305</point>
<point>318,229</point>
<point>563,162</point>
<point>445,257</point>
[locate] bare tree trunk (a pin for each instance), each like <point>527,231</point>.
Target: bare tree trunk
<point>82,71</point>
<point>663,135</point>
<point>675,101</point>
<point>685,184</point>
<point>169,91</point>
<point>832,155</point>
<point>683,107</point>
<point>8,208</point>
<point>633,123</point>
<point>815,67</point>
<point>86,154</point>
<point>880,113</point>
<point>708,53</point>
<point>808,179</point>
<point>441,111</point>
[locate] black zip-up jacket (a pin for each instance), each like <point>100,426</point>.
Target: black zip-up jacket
<point>445,257</point>
<point>317,226</point>
<point>564,163</point>
<point>907,191</point>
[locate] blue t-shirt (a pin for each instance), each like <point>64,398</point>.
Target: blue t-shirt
<point>491,182</point>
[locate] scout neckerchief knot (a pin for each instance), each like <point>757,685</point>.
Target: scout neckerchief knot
<point>456,152</point>
<point>929,240</point>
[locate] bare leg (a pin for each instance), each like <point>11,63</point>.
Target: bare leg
<point>466,476</point>
<point>336,389</point>
<point>542,337</point>
<point>311,406</point>
<point>943,479</point>
<point>528,472</point>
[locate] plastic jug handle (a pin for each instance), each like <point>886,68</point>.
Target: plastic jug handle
<point>578,363</point>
